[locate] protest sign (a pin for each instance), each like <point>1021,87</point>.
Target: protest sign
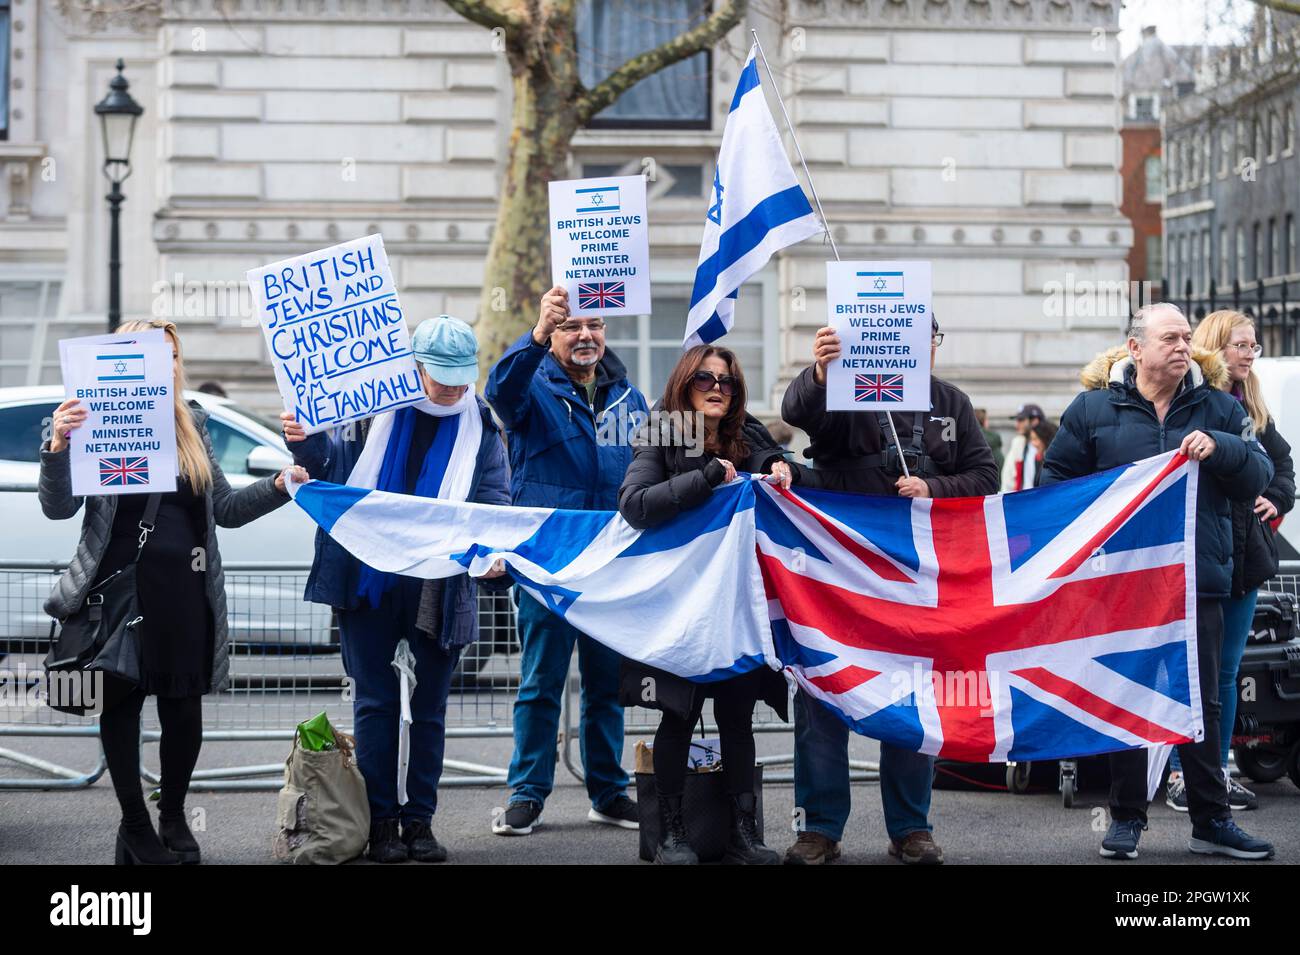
<point>881,311</point>
<point>600,245</point>
<point>336,334</point>
<point>126,384</point>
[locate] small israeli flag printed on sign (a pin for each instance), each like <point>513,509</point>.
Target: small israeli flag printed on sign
<point>119,367</point>
<point>880,285</point>
<point>597,199</point>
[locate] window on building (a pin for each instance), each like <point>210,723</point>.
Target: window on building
<point>1240,274</point>
<point>1225,261</point>
<point>1184,266</point>
<point>1274,250</point>
<point>4,69</point>
<point>1207,156</point>
<point>1288,254</point>
<point>650,345</point>
<point>1225,150</point>
<point>673,180</point>
<point>1242,145</point>
<point>1274,134</point>
<point>610,32</point>
<point>1155,191</point>
<point>1260,131</point>
<point>1155,260</point>
<point>1171,168</point>
<point>1288,132</point>
<point>1144,109</point>
<point>1207,262</point>
<point>1255,250</point>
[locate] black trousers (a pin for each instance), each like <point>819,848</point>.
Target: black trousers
<point>181,720</point>
<point>1207,792</point>
<point>733,709</point>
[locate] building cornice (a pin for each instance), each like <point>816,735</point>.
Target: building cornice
<point>967,14</point>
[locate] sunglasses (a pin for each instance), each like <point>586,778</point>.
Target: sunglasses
<point>705,380</point>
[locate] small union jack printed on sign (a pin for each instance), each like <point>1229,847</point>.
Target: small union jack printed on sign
<point>877,387</point>
<point>119,472</point>
<point>601,295</point>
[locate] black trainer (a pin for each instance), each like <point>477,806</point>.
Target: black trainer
<point>620,812</point>
<point>519,819</point>
<point>1121,840</point>
<point>1176,793</point>
<point>420,843</point>
<point>1222,837</point>
<point>385,845</point>
<point>1240,798</point>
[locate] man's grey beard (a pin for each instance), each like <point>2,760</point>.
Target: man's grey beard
<point>583,357</point>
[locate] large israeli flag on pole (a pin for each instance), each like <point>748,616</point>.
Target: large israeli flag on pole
<point>652,595</point>
<point>756,208</point>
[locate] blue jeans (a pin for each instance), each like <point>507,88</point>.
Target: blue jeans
<point>369,639</point>
<point>821,776</point>
<point>548,642</point>
<point>1238,615</point>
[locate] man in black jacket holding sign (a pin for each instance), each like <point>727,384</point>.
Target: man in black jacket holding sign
<point>946,456</point>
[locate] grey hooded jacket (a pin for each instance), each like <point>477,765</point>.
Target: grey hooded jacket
<point>225,507</point>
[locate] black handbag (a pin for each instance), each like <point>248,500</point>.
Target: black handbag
<point>1260,558</point>
<point>102,636</point>
<point>706,812</point>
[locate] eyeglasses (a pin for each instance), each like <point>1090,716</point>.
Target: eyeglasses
<point>936,339</point>
<point>705,380</point>
<point>575,328</point>
<point>1246,348</point>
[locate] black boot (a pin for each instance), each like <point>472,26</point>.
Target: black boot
<point>417,836</point>
<point>176,836</point>
<point>674,849</point>
<point>745,847</point>
<point>141,846</point>
<point>385,844</point>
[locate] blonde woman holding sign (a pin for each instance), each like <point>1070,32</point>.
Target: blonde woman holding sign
<point>184,649</point>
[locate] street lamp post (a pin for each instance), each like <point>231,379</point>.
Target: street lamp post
<point>117,114</point>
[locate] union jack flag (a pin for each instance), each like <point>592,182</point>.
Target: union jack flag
<point>1054,622</point>
<point>118,472</point>
<point>601,295</point>
<point>877,387</point>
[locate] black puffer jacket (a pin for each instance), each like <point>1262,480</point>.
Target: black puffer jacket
<point>846,446</point>
<point>1111,424</point>
<point>661,483</point>
<point>1254,552</point>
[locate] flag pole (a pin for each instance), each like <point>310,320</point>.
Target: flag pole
<point>821,212</point>
<point>790,126</point>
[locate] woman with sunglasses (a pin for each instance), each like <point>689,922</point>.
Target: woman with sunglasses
<point>665,479</point>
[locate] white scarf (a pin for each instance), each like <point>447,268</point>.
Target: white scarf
<point>464,453</point>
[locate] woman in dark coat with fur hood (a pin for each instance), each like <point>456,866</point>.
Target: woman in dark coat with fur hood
<point>665,479</point>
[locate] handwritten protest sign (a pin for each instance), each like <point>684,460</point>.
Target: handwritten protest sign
<point>125,383</point>
<point>882,313</point>
<point>336,334</point>
<point>600,245</point>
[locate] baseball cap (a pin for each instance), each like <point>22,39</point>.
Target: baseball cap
<point>447,348</point>
<point>1029,411</point>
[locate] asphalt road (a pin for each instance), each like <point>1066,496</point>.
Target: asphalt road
<point>77,827</point>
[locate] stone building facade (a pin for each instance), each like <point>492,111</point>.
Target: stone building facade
<point>980,134</point>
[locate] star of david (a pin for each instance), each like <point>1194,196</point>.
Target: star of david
<point>880,284</point>
<point>120,367</point>
<point>715,210</point>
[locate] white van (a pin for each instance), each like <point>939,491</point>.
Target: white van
<point>1279,379</point>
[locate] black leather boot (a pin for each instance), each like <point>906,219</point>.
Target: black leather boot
<point>141,846</point>
<point>175,834</point>
<point>745,846</point>
<point>674,849</point>
<point>417,836</point>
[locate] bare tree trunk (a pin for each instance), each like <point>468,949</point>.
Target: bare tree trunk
<point>518,267</point>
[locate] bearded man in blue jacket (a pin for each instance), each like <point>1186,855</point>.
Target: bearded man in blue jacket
<point>569,413</point>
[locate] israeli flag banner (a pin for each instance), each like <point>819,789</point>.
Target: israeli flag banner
<point>756,209</point>
<point>119,368</point>
<point>598,199</point>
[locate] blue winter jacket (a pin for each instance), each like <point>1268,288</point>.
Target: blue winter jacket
<point>563,452</point>
<point>1111,424</point>
<point>335,572</point>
